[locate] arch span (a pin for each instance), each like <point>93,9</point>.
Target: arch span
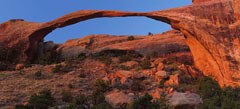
<point>211,29</point>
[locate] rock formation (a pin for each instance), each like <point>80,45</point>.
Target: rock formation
<point>211,29</point>
<point>160,44</point>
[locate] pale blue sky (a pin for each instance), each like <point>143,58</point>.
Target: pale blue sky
<point>46,10</point>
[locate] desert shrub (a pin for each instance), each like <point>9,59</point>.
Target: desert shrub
<point>42,100</point>
<point>73,106</point>
<point>216,98</point>
<point>104,58</point>
<point>39,74</point>
<point>20,106</point>
<point>130,38</point>
<point>145,102</point>
<point>56,68</point>
<point>150,34</point>
<point>49,57</point>
<point>104,105</point>
<point>81,56</point>
<point>137,86</point>
<point>100,87</point>
<point>163,102</point>
<point>81,99</point>
<point>79,102</point>
<point>70,86</point>
<point>67,96</point>
<point>125,58</point>
<point>21,72</point>
<point>82,75</point>
<point>98,97</point>
<point>123,67</point>
<point>4,66</point>
<point>185,79</point>
<point>146,63</point>
<point>2,54</point>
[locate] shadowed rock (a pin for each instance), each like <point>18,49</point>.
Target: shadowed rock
<point>211,28</point>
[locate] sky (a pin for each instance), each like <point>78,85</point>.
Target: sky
<point>47,10</point>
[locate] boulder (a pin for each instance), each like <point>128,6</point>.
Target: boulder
<point>124,74</point>
<point>117,99</point>
<point>125,77</point>
<point>161,75</point>
<point>130,64</point>
<point>173,80</point>
<point>184,100</point>
<point>19,66</point>
<point>160,66</point>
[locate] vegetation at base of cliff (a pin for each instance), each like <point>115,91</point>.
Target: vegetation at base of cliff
<point>147,102</point>
<point>214,97</point>
<point>42,100</point>
<point>47,58</point>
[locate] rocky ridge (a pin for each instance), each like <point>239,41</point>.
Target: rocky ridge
<point>213,37</point>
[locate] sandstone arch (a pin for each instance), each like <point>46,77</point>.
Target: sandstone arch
<point>212,31</point>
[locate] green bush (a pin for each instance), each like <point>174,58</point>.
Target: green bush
<point>47,58</point>
<point>19,106</point>
<point>79,102</point>
<point>82,75</point>
<point>125,58</point>
<point>39,74</point>
<point>216,98</point>
<point>145,102</point>
<point>81,56</point>
<point>104,58</point>
<point>100,87</point>
<point>42,100</point>
<point>137,86</point>
<point>130,38</point>
<point>146,64</point>
<point>81,99</point>
<point>3,66</point>
<point>70,86</point>
<point>67,96</point>
<point>123,67</point>
<point>104,105</point>
<point>56,68</point>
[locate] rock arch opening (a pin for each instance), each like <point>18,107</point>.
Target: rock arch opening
<point>134,26</point>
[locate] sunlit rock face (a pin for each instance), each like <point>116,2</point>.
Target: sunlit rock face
<point>200,1</point>
<point>211,29</point>
<point>212,33</point>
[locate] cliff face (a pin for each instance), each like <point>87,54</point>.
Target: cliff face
<point>211,29</point>
<point>168,43</point>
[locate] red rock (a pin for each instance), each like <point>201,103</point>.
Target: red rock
<point>173,80</point>
<point>211,29</point>
<point>117,98</point>
<point>160,66</point>
<point>200,1</point>
<point>19,66</point>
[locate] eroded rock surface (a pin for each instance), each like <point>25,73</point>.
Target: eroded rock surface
<point>211,28</point>
<point>160,44</point>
